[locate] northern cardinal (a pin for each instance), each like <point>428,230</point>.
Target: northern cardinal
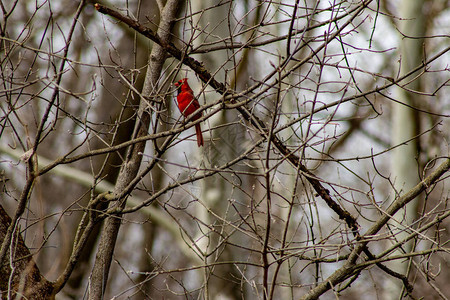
<point>188,104</point>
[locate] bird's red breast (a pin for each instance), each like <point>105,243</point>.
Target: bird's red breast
<point>186,100</point>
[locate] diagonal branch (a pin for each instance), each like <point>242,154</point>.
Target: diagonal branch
<point>206,77</point>
<point>349,268</point>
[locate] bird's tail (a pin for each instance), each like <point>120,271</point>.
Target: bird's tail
<point>198,131</point>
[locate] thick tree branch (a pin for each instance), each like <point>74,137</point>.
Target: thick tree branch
<point>349,267</point>
<point>128,176</point>
<point>206,77</point>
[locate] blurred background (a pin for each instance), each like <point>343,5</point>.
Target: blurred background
<point>356,90</point>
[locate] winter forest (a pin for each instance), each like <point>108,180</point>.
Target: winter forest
<point>323,171</point>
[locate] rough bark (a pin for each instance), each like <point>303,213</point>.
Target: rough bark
<point>19,275</point>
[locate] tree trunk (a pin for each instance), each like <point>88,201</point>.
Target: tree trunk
<point>130,167</point>
<point>19,275</point>
<point>405,163</point>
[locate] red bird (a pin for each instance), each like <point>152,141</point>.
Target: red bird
<point>188,104</point>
